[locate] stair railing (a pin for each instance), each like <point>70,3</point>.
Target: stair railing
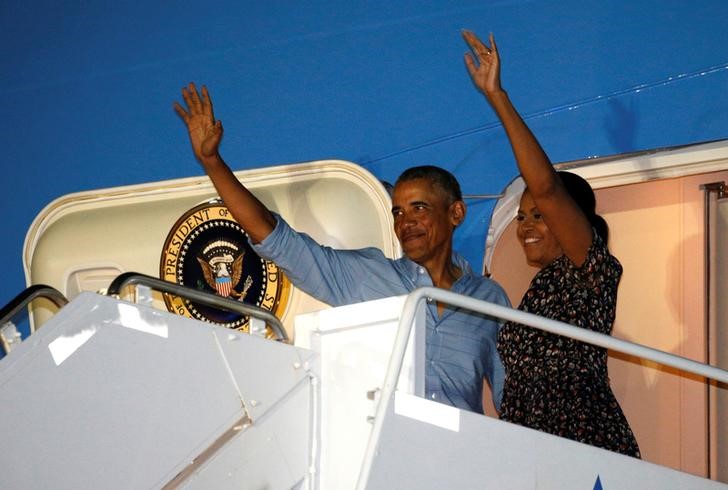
<point>9,335</point>
<point>209,299</point>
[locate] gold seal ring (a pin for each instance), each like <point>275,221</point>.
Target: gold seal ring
<point>207,250</point>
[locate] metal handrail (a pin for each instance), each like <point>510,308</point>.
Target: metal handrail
<point>9,334</point>
<point>31,293</point>
<point>419,295</point>
<point>209,299</point>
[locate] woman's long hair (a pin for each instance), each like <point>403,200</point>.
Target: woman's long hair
<point>582,193</point>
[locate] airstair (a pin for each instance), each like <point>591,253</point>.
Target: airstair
<point>112,393</point>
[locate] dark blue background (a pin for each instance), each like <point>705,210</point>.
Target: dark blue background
<point>87,89</point>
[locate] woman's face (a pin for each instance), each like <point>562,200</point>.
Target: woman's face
<point>539,244</point>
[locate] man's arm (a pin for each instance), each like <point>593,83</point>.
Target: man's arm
<point>205,136</point>
<point>560,213</point>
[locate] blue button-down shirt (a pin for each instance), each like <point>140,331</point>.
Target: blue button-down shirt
<point>460,345</point>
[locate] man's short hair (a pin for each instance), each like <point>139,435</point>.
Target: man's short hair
<point>438,176</point>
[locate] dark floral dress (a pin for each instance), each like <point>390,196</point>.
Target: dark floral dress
<point>559,385</point>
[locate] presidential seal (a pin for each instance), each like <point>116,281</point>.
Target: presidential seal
<point>207,250</point>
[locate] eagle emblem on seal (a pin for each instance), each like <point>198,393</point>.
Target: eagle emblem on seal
<point>224,268</point>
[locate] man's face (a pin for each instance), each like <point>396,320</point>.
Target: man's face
<point>424,220</point>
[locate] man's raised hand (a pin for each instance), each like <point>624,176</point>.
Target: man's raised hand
<point>205,132</point>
